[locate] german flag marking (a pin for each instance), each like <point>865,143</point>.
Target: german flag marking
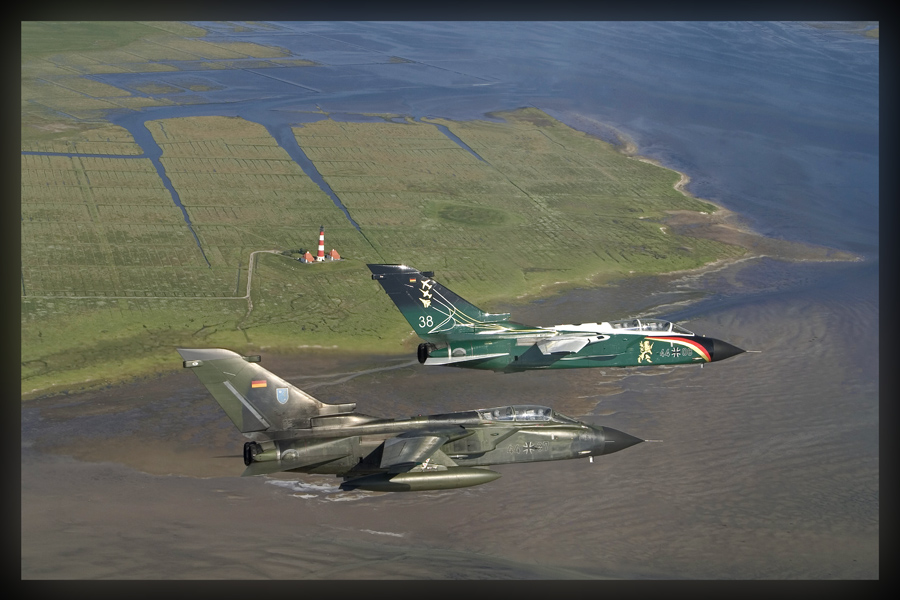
<point>258,383</point>
<point>681,341</point>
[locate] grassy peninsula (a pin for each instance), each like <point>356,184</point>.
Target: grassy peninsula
<point>113,277</point>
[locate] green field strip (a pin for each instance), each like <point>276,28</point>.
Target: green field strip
<point>384,200</point>
<point>92,139</point>
<point>254,196</point>
<point>151,256</point>
<point>246,215</point>
<point>123,179</point>
<point>168,234</point>
<point>121,60</point>
<point>199,49</point>
<point>248,63</point>
<point>149,51</point>
<point>37,165</point>
<point>150,214</point>
<point>283,215</point>
<point>110,164</point>
<point>89,87</point>
<point>51,213</point>
<point>215,148</point>
<point>82,147</point>
<point>140,67</point>
<point>294,62</point>
<point>40,256</point>
<point>58,279</point>
<point>232,130</point>
<point>234,165</point>
<point>373,218</point>
<point>43,70</point>
<point>225,181</point>
<point>80,107</point>
<point>391,156</point>
<point>252,49</point>
<point>40,91</point>
<point>50,177</point>
<point>157,197</point>
<point>51,234</point>
<point>134,281</point>
<point>323,145</point>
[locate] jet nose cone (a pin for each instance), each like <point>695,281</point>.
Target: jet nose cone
<point>722,350</point>
<point>615,440</point>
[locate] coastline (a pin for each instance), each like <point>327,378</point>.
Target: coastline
<point>723,225</point>
<point>727,226</point>
<point>718,229</point>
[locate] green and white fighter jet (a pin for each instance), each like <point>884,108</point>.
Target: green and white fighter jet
<point>459,334</point>
<point>289,430</point>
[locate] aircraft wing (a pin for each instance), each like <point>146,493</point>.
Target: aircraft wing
<point>407,450</point>
<point>562,344</point>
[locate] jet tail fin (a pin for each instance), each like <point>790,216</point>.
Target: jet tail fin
<point>255,399</point>
<point>433,310</point>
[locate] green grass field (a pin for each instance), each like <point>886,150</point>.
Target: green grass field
<point>113,279</point>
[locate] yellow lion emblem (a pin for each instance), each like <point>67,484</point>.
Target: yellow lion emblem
<point>646,348</point>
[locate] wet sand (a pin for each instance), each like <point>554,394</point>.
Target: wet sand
<point>768,467</point>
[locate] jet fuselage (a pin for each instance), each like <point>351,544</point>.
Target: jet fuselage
<point>459,334</point>
<point>292,431</point>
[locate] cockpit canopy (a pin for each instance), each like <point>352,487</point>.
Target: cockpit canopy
<point>522,413</point>
<point>654,325</point>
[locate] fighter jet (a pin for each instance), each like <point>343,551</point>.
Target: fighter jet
<point>459,334</point>
<point>290,430</point>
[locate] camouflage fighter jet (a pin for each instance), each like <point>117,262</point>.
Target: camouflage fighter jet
<point>292,431</point>
<point>456,333</point>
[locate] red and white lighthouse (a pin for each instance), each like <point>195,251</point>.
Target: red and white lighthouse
<point>320,256</point>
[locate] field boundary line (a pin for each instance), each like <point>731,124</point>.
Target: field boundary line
<point>244,297</point>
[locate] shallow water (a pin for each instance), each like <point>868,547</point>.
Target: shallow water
<point>768,468</point>
<point>778,121</point>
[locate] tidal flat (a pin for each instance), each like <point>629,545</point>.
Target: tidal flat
<point>767,466</point>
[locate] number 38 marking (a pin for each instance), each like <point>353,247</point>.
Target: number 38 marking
<point>425,321</point>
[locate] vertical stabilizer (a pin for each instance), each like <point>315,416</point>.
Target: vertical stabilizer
<point>255,399</point>
<point>433,310</point>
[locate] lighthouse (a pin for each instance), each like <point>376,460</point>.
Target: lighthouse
<point>320,256</point>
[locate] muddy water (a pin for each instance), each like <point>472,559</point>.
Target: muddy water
<point>768,465</point>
